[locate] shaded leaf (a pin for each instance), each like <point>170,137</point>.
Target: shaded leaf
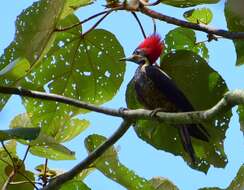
<point>111,167</point>
<point>86,68</point>
<point>184,39</point>
<point>203,15</point>
<point>186,3</point>
<point>6,169</point>
<point>204,87</point>
<point>235,22</point>
<point>19,133</point>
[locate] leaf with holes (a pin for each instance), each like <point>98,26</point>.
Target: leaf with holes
<point>47,147</point>
<point>188,3</point>
<point>66,132</point>
<point>204,87</point>
<point>184,39</point>
<point>235,22</point>
<point>85,68</point>
<point>203,15</point>
<point>35,33</point>
<point>71,129</point>
<point>111,167</point>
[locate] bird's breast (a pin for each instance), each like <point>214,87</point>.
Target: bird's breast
<point>149,95</point>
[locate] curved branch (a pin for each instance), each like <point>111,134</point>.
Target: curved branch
<point>61,179</point>
<point>230,99</point>
<point>199,27</point>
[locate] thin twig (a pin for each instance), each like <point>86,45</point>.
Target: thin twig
<point>9,155</point>
<point>96,24</point>
<point>140,25</point>
<point>119,7</point>
<point>45,173</point>
<point>23,182</point>
<point>59,180</point>
<point>27,178</point>
<point>154,26</point>
<point>9,179</point>
<point>25,156</point>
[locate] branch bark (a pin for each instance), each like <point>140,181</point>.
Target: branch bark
<point>229,100</point>
<point>178,22</point>
<point>61,179</point>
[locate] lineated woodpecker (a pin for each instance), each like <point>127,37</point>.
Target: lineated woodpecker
<point>156,90</point>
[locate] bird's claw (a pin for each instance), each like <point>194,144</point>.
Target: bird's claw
<point>155,111</point>
<point>121,110</point>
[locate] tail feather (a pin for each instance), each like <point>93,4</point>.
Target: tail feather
<point>199,132</point>
<point>186,142</point>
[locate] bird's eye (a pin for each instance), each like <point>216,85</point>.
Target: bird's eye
<point>137,52</point>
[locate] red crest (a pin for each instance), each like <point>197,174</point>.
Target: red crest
<point>152,47</point>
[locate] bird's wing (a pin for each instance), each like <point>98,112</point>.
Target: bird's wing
<point>167,86</point>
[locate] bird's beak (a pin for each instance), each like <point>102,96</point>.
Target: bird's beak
<point>132,58</point>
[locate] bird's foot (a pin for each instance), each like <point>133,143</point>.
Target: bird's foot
<point>155,111</point>
<point>121,110</point>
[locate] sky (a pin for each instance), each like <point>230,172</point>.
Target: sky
<point>137,155</point>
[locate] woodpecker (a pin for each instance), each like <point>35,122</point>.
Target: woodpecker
<point>156,90</point>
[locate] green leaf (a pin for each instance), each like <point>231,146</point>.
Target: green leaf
<point>184,39</point>
<point>236,184</point>
<point>6,169</point>
<point>204,87</point>
<point>20,178</point>
<point>47,147</point>
<point>35,33</point>
<point>186,3</point>
<point>235,22</point>
<point>203,15</point>
<point>71,129</point>
<point>160,183</point>
<point>16,69</point>
<point>72,5</point>
<point>19,133</point>
<point>111,167</point>
<point>240,111</point>
<point>85,68</point>
<point>74,185</point>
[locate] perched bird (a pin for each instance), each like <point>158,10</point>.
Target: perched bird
<point>156,90</point>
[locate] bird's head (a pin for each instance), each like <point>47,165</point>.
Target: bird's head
<point>148,51</point>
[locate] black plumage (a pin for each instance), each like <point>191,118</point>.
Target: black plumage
<point>155,89</point>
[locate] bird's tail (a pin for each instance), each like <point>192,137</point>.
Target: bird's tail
<point>186,141</point>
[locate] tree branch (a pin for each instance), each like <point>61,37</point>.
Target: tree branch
<point>183,23</point>
<point>61,179</point>
<point>230,99</point>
